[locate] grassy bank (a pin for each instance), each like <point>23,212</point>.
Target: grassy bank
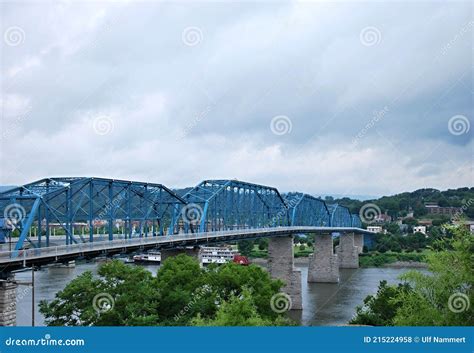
<point>371,259</point>
<point>376,259</point>
<point>298,252</point>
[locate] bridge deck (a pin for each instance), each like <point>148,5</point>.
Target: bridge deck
<point>14,260</point>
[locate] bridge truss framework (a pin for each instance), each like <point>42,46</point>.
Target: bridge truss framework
<point>146,209</point>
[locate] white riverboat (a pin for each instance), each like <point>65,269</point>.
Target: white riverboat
<point>151,257</point>
<point>216,255</point>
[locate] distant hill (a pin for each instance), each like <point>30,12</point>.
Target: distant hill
<point>181,192</point>
<point>353,197</point>
<point>400,204</point>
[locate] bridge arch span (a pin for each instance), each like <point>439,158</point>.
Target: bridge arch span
<point>215,205</point>
<point>308,210</point>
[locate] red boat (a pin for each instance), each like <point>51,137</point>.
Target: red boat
<point>241,260</point>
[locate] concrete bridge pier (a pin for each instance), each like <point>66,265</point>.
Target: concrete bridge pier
<point>174,252</point>
<point>347,252</point>
<point>280,266</point>
<point>359,241</point>
<point>8,302</point>
<point>323,265</point>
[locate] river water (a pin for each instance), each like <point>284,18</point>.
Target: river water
<point>324,304</point>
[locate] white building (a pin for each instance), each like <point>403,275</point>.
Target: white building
<point>375,229</point>
<point>419,229</point>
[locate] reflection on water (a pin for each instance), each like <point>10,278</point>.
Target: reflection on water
<point>324,304</point>
<point>329,304</point>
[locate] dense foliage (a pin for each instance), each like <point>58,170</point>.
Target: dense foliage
<point>182,293</point>
<point>380,309</point>
<point>245,247</point>
<point>376,259</point>
<point>442,297</point>
<point>399,243</point>
<point>398,205</point>
<point>239,311</point>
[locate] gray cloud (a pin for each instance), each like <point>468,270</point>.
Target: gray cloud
<point>369,90</point>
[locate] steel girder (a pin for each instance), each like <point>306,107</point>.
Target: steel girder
<point>213,205</point>
<point>307,210</point>
<point>230,204</point>
<point>340,216</point>
<point>65,202</point>
<point>356,222</point>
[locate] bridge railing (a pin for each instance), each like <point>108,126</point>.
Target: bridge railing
<point>7,256</point>
<point>19,255</point>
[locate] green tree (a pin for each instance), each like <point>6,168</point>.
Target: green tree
<point>180,280</point>
<point>186,289</point>
<point>393,228</point>
<point>121,296</point>
<point>410,221</point>
<point>263,244</point>
<point>445,296</point>
<point>245,247</point>
<point>175,296</point>
<point>230,279</point>
<point>239,310</point>
<point>380,309</point>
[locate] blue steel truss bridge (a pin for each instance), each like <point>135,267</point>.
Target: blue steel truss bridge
<point>67,218</point>
<point>94,213</point>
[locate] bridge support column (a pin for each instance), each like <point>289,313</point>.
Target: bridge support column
<point>280,265</point>
<point>7,303</point>
<point>347,252</point>
<point>359,241</point>
<point>323,265</point>
<point>174,252</point>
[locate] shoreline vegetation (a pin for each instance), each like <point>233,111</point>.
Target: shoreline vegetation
<point>441,297</point>
<point>374,261</point>
<point>366,259</point>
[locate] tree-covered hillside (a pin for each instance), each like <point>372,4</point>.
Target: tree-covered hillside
<point>400,204</point>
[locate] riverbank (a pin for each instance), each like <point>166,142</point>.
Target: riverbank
<point>395,259</point>
<point>323,304</point>
<point>301,261</point>
<point>368,261</point>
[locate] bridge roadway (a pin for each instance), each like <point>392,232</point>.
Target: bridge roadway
<point>17,259</point>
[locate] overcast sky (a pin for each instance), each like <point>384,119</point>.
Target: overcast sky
<point>352,98</point>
